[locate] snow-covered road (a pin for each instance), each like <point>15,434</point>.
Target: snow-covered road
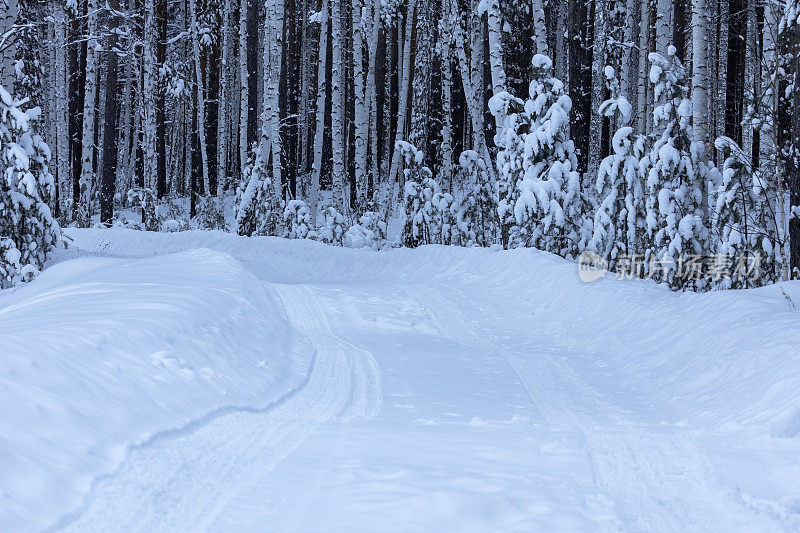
<point>442,396</point>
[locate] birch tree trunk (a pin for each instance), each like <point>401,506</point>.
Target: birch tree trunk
<point>372,91</point>
<point>664,26</point>
<point>61,105</point>
<point>226,92</point>
<point>470,91</point>
<point>109,169</point>
<point>244,89</point>
<point>150,160</point>
<point>201,99</point>
<point>750,98</point>
<point>722,73</point>
<point>496,55</point>
<point>8,48</point>
<point>361,105</point>
<point>90,95</point>
<point>402,110</point>
<point>644,117</point>
<point>319,135</point>
<point>700,89</point>
<point>338,108</point>
<point>447,101</point>
<point>539,27</point>
<point>598,89</point>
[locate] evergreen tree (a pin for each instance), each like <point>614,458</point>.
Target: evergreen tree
<point>549,208</point>
<point>258,207</point>
<point>617,220</point>
<point>675,230</point>
<point>477,211</point>
<point>28,231</point>
<point>741,218</point>
<point>297,219</point>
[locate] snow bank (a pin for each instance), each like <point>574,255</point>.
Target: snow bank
<point>101,354</point>
<point>726,357</point>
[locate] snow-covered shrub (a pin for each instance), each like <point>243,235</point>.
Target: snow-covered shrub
<point>210,215</point>
<point>618,220</point>
<point>170,217</point>
<point>144,199</point>
<point>428,211</point>
<point>742,229</point>
<point>675,229</point>
<point>370,232</point>
<point>258,206</point>
<point>547,203</point>
<point>332,226</point>
<point>510,140</point>
<point>476,213</point>
<point>28,231</point>
<point>297,219</point>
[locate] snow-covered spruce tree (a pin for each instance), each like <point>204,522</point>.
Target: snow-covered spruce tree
<point>675,230</point>
<point>510,140</point>
<point>741,219</point>
<point>429,211</point>
<point>332,227</point>
<point>258,207</point>
<point>28,231</point>
<point>549,209</point>
<point>143,199</point>
<point>476,213</point>
<point>370,232</point>
<point>618,218</point>
<point>210,215</point>
<point>297,219</point>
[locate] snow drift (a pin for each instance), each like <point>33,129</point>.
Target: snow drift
<point>101,354</point>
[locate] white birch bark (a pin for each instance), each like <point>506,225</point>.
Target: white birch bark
<point>8,48</point>
<point>319,135</point>
<point>447,101</point>
<point>201,97</point>
<point>664,21</point>
<point>475,112</point>
<point>644,117</point>
<point>629,56</point>
<point>700,90</point>
<point>750,100</point>
<point>402,108</point>
<point>539,27</point>
<point>150,72</point>
<point>496,54</point>
<point>598,88</point>
<point>476,71</point>
<point>372,91</point>
<point>90,94</point>
<point>722,74</point>
<point>361,106</point>
<point>770,91</point>
<point>244,85</point>
<point>227,83</point>
<point>338,107</point>
<point>61,104</point>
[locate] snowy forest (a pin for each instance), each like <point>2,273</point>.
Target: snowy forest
<point>655,133</point>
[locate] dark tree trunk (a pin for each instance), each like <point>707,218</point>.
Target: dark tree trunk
<point>109,172</point>
<point>580,75</point>
<point>161,137</point>
<point>794,167</point>
<point>76,73</point>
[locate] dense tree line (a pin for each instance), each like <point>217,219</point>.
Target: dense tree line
<point>655,128</point>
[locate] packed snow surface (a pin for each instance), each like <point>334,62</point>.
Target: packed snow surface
<point>203,381</point>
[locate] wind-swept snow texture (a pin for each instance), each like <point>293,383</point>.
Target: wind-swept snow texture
<point>302,387</point>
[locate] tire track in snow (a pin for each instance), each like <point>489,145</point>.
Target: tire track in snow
<point>184,482</point>
<point>646,478</point>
